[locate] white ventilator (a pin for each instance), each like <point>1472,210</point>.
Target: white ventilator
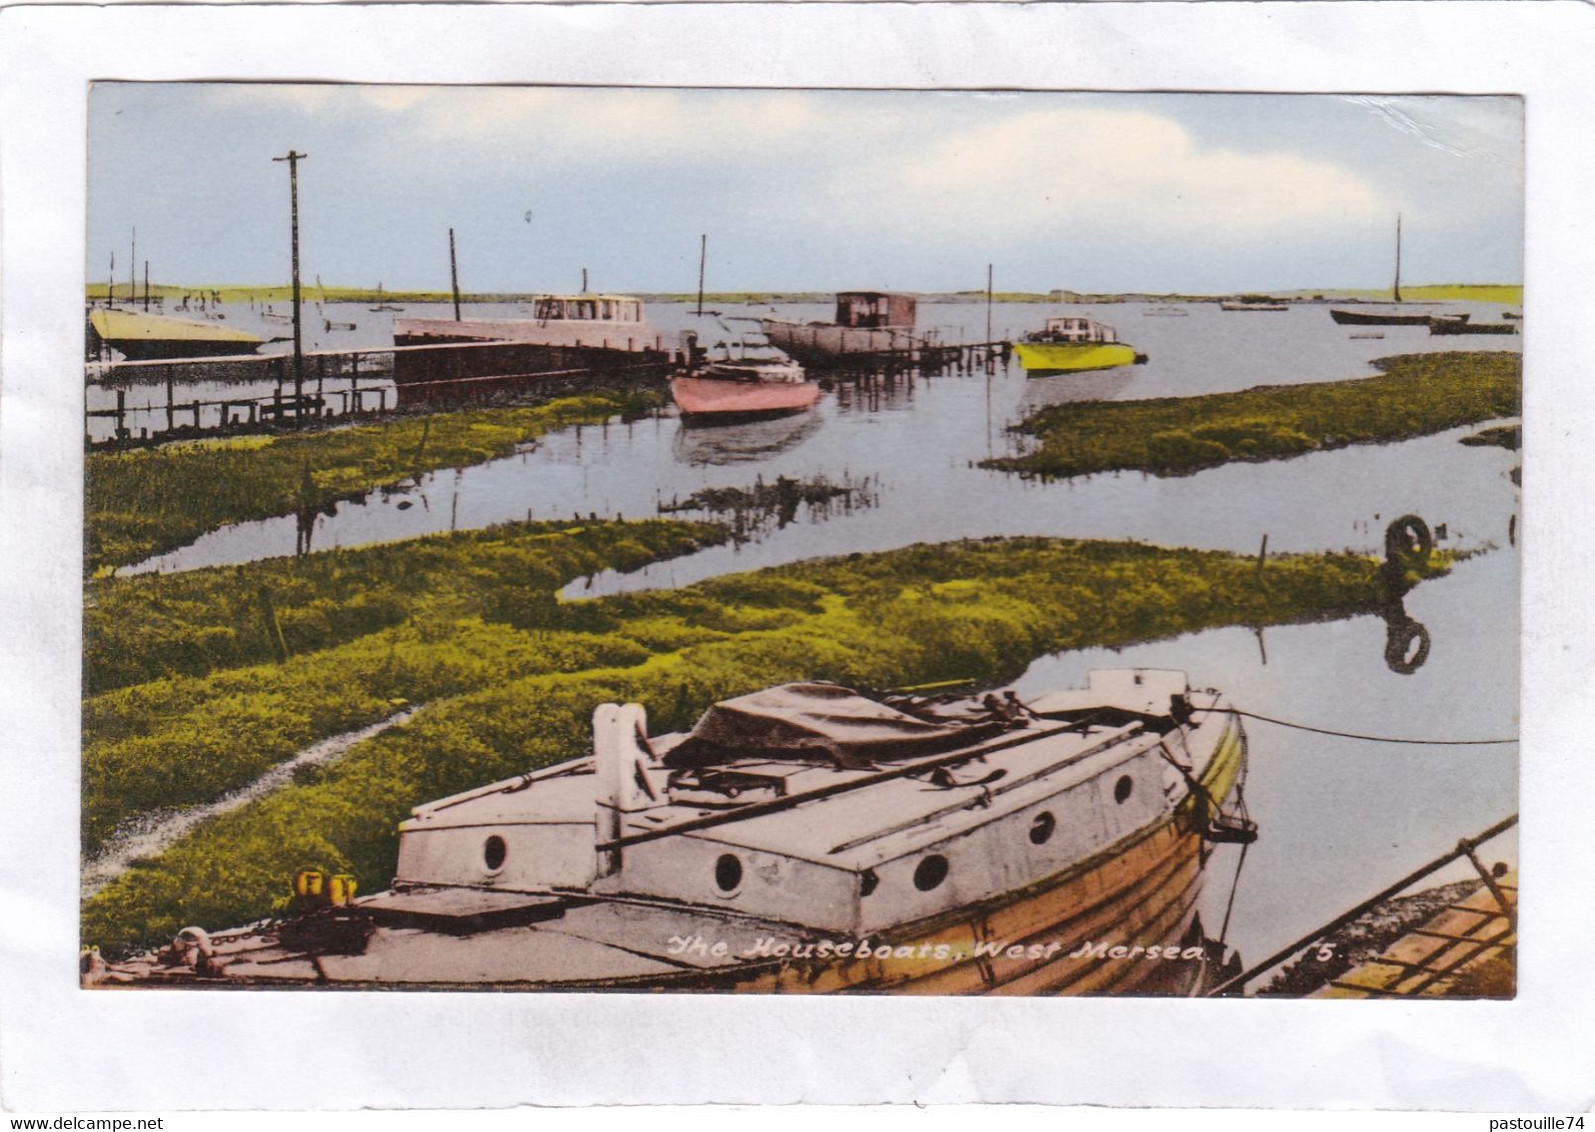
<point>630,779</point>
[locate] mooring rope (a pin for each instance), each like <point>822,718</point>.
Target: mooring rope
<point>1367,738</point>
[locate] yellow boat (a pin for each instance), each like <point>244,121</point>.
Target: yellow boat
<point>139,337</point>
<point>1070,343</point>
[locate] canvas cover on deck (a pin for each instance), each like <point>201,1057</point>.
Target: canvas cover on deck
<point>817,722</point>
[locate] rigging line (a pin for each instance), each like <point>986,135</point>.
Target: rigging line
<point>1354,735</point>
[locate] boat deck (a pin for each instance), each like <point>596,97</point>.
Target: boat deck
<point>1430,961</point>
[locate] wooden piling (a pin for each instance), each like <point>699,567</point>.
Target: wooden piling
<point>279,645</point>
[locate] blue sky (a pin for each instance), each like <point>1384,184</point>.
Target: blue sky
<point>814,190</point>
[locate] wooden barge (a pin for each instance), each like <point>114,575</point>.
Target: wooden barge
<point>801,839</point>
<point>585,332</point>
<point>869,325</point>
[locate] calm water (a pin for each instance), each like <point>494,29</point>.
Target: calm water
<point>1339,818</point>
<point>1206,350</point>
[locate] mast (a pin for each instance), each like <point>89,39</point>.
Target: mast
<point>1397,287</point>
<point>703,257</point>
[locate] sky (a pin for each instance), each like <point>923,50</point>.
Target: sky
<point>802,189</point>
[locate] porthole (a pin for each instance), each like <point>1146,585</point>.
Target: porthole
<point>728,872</point>
<point>494,851</point>
<point>931,872</point>
<point>1122,789</point>
<point>1042,827</point>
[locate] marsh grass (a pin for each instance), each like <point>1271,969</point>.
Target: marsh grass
<point>152,500</point>
<point>508,692</point>
<point>1415,395</point>
<point>187,700</point>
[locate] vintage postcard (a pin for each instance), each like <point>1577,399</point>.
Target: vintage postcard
<point>806,541</point>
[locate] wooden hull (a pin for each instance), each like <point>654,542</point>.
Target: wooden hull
<point>1056,936</point>
<point>1373,318</point>
<point>1450,326</point>
<point>830,344</point>
<point>460,354</point>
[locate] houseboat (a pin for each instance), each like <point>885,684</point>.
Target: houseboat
<point>566,333</point>
<point>1070,343</point>
<point>869,325</point>
<point>804,838</point>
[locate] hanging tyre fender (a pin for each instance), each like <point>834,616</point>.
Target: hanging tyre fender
<point>1400,655</point>
<point>1408,540</point>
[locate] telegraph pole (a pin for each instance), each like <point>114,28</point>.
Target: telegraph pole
<point>293,158</point>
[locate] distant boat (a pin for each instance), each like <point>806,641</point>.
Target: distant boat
<point>1165,312</point>
<point>1511,315</point>
<point>140,337</point>
<point>1384,317</point>
<point>1253,303</point>
<point>383,304</point>
<point>331,325</point>
<point>869,324</point>
<point>273,316</point>
<point>1463,326</point>
<point>1379,318</point>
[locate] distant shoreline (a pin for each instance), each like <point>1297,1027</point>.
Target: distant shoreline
<point>1505,293</point>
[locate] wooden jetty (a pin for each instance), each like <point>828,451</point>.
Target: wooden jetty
<point>1467,847</point>
<point>1434,960</point>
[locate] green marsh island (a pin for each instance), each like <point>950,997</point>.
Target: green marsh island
<point>1414,395</point>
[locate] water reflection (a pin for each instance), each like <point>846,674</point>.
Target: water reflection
<point>742,443</point>
<point>1406,641</point>
<point>1067,388</point>
<point>750,513</point>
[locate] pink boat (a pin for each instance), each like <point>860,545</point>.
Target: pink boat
<point>722,391</point>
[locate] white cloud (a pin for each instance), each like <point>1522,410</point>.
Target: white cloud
<point>1048,170</point>
<point>619,122</point>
